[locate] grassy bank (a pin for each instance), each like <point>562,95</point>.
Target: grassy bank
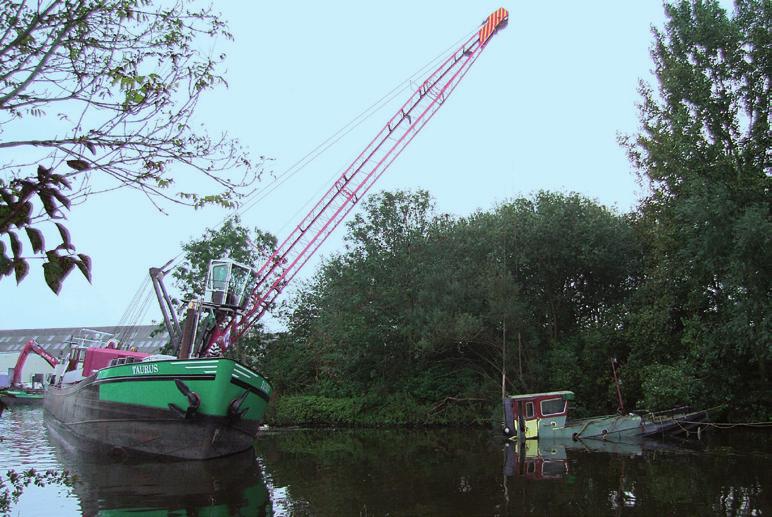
<point>392,410</point>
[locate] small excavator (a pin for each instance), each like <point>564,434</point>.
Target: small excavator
<point>19,394</point>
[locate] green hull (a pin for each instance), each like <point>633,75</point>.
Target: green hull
<point>224,486</point>
<point>217,381</point>
<point>142,408</point>
<point>15,397</point>
<point>613,426</point>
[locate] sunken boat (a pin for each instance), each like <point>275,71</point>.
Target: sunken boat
<point>546,415</point>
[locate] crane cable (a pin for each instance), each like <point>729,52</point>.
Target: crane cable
<point>261,194</point>
<point>258,196</point>
<point>134,313</point>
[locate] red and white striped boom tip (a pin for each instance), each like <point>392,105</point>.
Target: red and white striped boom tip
<point>495,19</point>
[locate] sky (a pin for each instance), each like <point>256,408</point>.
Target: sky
<point>540,109</point>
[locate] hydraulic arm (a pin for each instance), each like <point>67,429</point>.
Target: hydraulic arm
<point>30,346</point>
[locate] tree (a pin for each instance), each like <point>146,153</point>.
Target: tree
<point>420,302</point>
<point>231,240</point>
<point>98,95</point>
<point>577,263</point>
<point>704,153</point>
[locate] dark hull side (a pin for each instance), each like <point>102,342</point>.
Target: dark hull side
<point>136,430</point>
<point>10,400</point>
<point>121,486</point>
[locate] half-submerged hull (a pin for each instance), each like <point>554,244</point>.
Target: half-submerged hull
<point>611,427</point>
<point>615,427</point>
<point>187,409</point>
<point>545,416</point>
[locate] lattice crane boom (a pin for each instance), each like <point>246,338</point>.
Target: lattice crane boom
<point>351,186</point>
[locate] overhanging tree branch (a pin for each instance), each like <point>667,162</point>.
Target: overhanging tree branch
<point>125,79</point>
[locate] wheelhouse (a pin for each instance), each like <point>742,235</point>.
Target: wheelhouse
<point>527,415</point>
<point>227,284</point>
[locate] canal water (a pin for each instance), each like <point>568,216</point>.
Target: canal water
<point>392,472</point>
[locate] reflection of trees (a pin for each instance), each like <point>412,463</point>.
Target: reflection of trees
<point>421,472</point>
<point>13,484</point>
<point>459,472</point>
<point>672,480</point>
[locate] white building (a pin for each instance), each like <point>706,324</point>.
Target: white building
<point>56,341</point>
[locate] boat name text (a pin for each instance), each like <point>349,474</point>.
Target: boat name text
<point>143,369</point>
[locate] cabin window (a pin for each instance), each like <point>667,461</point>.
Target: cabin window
<point>553,468</point>
<point>529,410</point>
<point>219,276</point>
<point>552,406</point>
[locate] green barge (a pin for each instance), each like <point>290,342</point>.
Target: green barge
<point>136,404</point>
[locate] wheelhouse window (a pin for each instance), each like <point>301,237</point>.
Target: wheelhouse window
<point>529,410</point>
<point>553,406</point>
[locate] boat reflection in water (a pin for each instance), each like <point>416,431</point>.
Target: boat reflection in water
<point>549,458</point>
<point>107,485</point>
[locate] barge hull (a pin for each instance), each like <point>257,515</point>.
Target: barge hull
<point>149,414</point>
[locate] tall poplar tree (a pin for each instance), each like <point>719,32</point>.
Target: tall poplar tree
<point>704,152</point>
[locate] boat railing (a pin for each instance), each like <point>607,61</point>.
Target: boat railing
<point>88,338</point>
<point>667,414</point>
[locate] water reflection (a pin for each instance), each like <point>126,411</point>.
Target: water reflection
<point>23,444</point>
<point>404,472</point>
<point>459,472</point>
<point>383,472</point>
<point>594,477</point>
<point>114,486</point>
<point>548,459</point>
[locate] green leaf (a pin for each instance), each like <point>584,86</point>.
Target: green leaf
<point>48,203</point>
<point>15,244</point>
<point>43,174</point>
<point>7,197</point>
<point>79,165</point>
<point>21,269</point>
<point>56,270</point>
<point>84,264</point>
<point>60,180</point>
<point>6,264</point>
<point>66,242</point>
<point>36,239</point>
<point>52,272</point>
<point>64,200</point>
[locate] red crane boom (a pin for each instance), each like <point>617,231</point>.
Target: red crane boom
<point>30,346</point>
<point>292,254</point>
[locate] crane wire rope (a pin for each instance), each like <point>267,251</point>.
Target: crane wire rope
<point>259,195</point>
<point>134,312</point>
<point>354,123</point>
<point>127,332</point>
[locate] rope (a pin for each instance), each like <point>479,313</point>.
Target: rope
<point>130,307</point>
<point>134,316</point>
<point>347,128</point>
<point>730,425</point>
<point>135,312</point>
<point>260,194</point>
